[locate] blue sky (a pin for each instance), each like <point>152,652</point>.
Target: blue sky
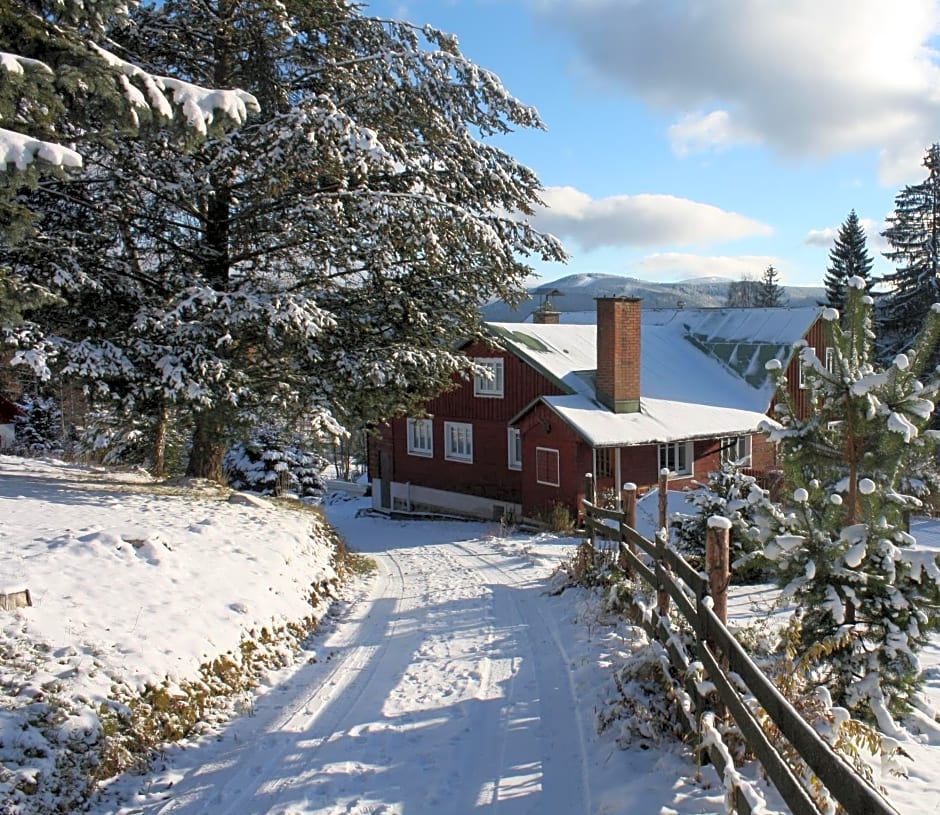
<point>690,138</point>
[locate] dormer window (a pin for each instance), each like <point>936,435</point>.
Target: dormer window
<point>491,385</point>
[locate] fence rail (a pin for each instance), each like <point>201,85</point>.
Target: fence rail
<point>728,667</point>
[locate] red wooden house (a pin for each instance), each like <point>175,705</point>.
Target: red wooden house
<point>636,392</point>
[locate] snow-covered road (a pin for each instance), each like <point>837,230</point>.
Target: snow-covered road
<point>449,682</point>
<point>446,688</point>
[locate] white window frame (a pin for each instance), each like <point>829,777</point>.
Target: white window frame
<point>689,453</point>
<point>458,442</point>
<point>801,378</point>
<point>514,448</point>
<point>490,388</point>
<point>538,473</point>
<point>421,438</point>
<point>831,360</point>
<point>736,450</point>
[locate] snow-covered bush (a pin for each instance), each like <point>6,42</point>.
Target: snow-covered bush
<point>39,431</point>
<point>730,494</point>
<point>271,465</point>
<point>867,597</point>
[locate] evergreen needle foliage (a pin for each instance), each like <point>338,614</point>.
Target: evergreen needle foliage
<point>771,294</point>
<point>914,236</point>
<point>730,494</point>
<point>848,258</point>
<point>857,461</point>
<point>318,263</point>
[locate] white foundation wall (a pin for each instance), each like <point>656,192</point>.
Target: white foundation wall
<point>412,498</point>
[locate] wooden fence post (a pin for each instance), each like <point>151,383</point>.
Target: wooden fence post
<point>663,500</point>
<point>718,563</point>
<point>591,498</point>
<point>628,506</point>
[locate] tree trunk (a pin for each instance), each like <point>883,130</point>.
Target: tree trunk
<point>209,445</point>
<point>158,467</point>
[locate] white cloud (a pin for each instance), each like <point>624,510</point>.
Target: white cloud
<point>826,236</point>
<point>684,266</point>
<point>695,133</point>
<point>821,237</point>
<point>639,220</point>
<point>806,78</point>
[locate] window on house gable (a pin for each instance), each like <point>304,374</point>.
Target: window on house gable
<point>421,437</point>
<point>676,457</point>
<point>547,470</point>
<point>458,441</point>
<point>736,450</point>
<point>514,444</point>
<point>831,360</point>
<point>492,385</point>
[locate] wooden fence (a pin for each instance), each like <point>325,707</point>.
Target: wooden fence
<point>727,666</point>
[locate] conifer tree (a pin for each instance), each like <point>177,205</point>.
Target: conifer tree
<point>848,258</point>
<point>771,293</point>
<point>732,494</point>
<point>856,463</point>
<point>914,236</point>
<point>320,261</point>
<point>60,89</point>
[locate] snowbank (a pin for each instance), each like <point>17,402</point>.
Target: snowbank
<point>131,585</point>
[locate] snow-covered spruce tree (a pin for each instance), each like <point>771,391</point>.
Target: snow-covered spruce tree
<point>731,494</point>
<point>338,244</point>
<point>867,597</point>
<point>771,294</point>
<point>914,237</point>
<point>62,96</point>
<point>849,257</point>
<point>273,463</point>
<point>39,431</point>
<point>57,80</point>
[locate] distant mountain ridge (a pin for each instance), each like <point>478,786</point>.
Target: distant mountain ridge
<point>578,292</point>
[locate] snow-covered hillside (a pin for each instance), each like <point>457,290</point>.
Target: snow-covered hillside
<point>130,585</point>
<point>578,292</point>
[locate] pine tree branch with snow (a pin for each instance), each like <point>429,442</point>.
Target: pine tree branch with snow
<point>858,461</point>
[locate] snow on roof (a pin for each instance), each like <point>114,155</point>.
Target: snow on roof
<point>712,359</point>
<point>657,421</point>
<point>561,352</point>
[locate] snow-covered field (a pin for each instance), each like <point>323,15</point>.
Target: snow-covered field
<point>447,681</point>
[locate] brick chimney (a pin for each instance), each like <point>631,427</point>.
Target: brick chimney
<point>546,316</point>
<point>618,353</point>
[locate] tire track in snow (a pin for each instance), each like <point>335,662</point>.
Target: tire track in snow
<point>266,753</point>
<point>548,724</point>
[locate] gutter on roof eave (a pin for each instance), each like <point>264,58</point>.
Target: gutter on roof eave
<point>696,437</point>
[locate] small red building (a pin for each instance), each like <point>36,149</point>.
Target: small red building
<point>636,392</point>
<point>9,410</point>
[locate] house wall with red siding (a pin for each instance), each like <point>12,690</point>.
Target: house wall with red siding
<point>640,465</point>
<point>763,453</point>
<point>489,474</point>
<point>542,428</point>
<point>817,339</point>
